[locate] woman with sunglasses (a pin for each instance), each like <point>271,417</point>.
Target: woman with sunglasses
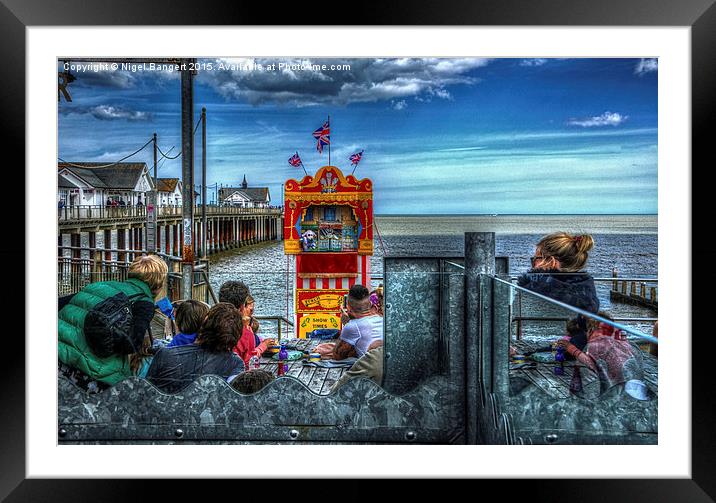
<point>557,272</point>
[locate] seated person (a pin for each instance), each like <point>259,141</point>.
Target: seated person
<point>252,381</point>
<point>248,345</point>
<point>363,327</point>
<point>611,357</point>
<point>558,271</point>
<point>189,316</point>
<point>173,369</point>
<point>369,365</point>
<point>85,356</point>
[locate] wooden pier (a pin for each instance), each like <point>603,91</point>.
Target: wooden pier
<point>634,291</point>
<point>226,227</point>
<point>123,232</point>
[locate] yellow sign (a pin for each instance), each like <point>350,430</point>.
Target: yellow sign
<point>311,301</point>
<point>310,322</point>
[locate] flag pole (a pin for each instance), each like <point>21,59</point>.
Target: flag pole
<point>356,164</point>
<point>329,142</point>
<point>304,167</point>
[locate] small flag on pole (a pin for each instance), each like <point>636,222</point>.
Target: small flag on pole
<point>295,160</point>
<point>355,158</point>
<point>322,134</point>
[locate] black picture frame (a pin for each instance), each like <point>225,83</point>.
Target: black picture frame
<point>700,15</point>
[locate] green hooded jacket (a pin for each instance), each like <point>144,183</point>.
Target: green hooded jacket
<point>73,349</point>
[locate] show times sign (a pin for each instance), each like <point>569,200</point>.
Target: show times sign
<point>312,301</point>
<point>310,322</point>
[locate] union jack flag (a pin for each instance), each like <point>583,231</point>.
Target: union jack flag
<point>322,134</point>
<point>355,158</point>
<point>294,160</point>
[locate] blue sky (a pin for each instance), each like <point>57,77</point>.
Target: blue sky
<point>441,136</point>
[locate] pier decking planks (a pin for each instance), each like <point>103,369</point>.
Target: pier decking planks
<point>556,386</point>
<point>317,379</point>
<point>331,378</point>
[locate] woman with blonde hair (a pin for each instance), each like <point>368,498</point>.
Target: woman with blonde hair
<point>558,272</point>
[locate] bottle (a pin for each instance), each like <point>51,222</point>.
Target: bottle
<point>282,357</point>
<point>559,358</point>
<point>254,362</point>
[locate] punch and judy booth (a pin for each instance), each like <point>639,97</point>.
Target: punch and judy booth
<point>328,226</point>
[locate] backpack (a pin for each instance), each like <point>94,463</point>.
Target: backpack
<point>108,326</point>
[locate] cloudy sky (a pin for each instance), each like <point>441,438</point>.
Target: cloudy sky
<point>441,136</point>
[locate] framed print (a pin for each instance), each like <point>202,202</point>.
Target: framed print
<point>601,91</point>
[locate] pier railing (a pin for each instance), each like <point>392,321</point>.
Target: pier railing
<point>88,212</point>
<point>74,273</point>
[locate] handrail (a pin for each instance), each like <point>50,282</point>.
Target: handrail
<point>649,279</point>
<point>277,318</point>
<point>93,212</point>
<point>208,285</point>
<point>580,311</point>
<point>557,318</point>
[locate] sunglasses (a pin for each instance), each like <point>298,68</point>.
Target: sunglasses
<point>536,258</point>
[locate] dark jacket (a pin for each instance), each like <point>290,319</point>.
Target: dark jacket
<point>173,369</point>
<point>576,289</point>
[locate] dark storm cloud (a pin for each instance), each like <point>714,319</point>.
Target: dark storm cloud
<point>306,82</point>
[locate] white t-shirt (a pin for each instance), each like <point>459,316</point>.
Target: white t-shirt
<point>361,332</point>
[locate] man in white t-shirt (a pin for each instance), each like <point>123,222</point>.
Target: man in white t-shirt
<point>364,328</point>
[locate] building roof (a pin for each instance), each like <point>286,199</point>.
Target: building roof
<point>123,175</point>
<point>252,194</point>
<point>167,184</point>
<point>64,183</point>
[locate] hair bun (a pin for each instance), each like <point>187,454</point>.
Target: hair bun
<point>583,243</point>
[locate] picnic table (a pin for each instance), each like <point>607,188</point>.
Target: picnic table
<point>542,374</point>
<point>319,380</point>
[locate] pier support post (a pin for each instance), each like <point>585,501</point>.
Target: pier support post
<point>175,241</point>
<point>167,239</point>
<point>108,245</point>
<point>132,241</point>
<point>121,255</point>
<point>95,255</point>
<point>615,283</point>
<point>479,260</point>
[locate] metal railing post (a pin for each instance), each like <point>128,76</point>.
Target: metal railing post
<point>479,260</point>
<point>187,162</point>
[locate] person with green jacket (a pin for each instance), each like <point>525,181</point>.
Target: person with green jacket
<point>146,280</point>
